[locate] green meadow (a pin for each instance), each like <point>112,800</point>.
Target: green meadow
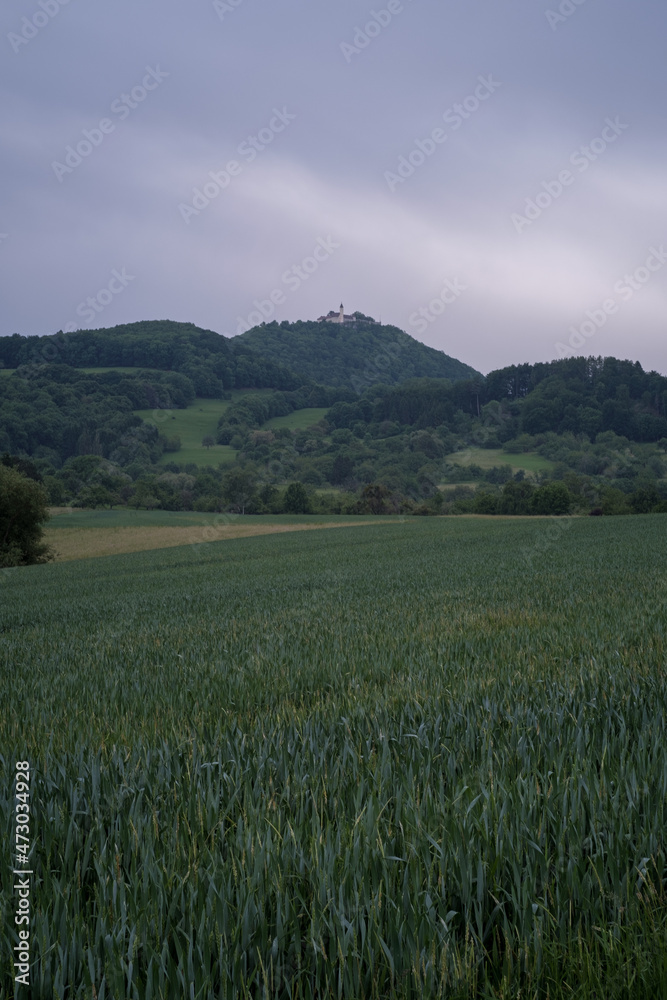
<point>487,458</point>
<point>298,420</point>
<point>418,759</point>
<point>192,425</point>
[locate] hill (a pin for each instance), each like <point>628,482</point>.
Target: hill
<point>212,363</point>
<point>357,355</point>
<point>156,414</point>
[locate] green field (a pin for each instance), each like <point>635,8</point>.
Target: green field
<point>192,425</point>
<point>298,420</point>
<point>487,458</point>
<point>418,759</point>
<point>80,520</point>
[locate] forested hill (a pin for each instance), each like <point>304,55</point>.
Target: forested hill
<point>583,396</point>
<point>213,363</point>
<point>279,356</point>
<point>358,356</point>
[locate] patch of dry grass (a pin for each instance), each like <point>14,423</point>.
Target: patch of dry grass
<point>92,543</point>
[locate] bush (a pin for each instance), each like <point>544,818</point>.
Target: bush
<point>644,500</point>
<point>23,512</point>
<point>485,503</point>
<point>614,502</point>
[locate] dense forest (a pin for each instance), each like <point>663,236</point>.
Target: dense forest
<point>358,356</point>
<point>212,363</point>
<point>597,425</point>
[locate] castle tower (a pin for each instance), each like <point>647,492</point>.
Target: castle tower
<point>341,318</point>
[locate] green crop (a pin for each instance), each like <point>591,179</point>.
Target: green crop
<point>385,761</point>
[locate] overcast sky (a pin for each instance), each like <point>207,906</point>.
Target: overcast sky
<point>483,175</point>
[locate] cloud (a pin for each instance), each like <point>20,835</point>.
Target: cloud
<point>325,174</point>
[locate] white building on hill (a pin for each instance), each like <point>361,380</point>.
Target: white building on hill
<point>337,317</point>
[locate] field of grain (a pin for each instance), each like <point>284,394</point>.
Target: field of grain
<point>95,533</point>
<point>427,759</point>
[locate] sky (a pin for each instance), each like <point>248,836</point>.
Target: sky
<point>489,177</point>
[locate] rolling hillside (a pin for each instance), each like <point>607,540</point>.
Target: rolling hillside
<point>357,356</point>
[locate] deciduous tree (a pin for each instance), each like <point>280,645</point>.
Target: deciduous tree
<point>23,513</point>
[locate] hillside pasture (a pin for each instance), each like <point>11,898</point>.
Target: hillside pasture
<point>192,425</point>
<point>487,458</point>
<point>298,420</point>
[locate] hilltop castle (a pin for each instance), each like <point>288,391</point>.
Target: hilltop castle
<point>342,318</point>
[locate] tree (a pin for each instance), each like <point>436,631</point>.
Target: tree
<point>297,500</point>
<point>552,498</point>
<point>614,502</point>
<point>644,500</point>
<point>485,503</point>
<point>374,499</point>
<point>238,488</point>
<point>208,441</point>
<point>268,500</point>
<point>23,512</point>
<point>516,498</point>
<point>96,496</point>
<point>343,467</point>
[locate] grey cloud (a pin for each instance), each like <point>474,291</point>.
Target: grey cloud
<point>355,119</point>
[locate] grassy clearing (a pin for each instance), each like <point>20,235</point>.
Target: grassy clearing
<point>487,458</point>
<point>371,763</point>
<point>192,425</point>
<point>298,420</point>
